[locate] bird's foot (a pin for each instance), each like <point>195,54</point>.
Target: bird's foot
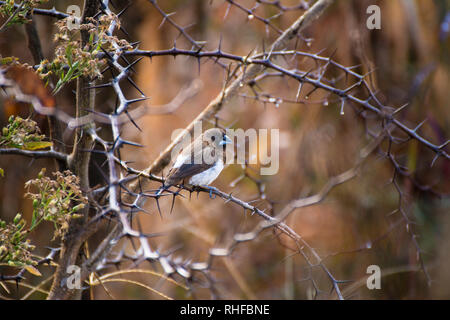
<point>211,189</point>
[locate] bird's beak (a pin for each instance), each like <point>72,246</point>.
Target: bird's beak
<point>226,140</point>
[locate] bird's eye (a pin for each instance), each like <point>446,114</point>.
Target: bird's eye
<point>213,138</point>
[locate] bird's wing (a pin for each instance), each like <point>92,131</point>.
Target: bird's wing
<point>185,171</point>
<point>188,168</point>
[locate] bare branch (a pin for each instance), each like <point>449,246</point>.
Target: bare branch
<point>35,153</point>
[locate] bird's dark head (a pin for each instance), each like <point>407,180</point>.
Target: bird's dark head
<point>216,137</point>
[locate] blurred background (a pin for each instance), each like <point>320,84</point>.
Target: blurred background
<point>354,226</point>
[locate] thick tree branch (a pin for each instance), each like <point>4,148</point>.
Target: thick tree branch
<point>36,154</point>
<point>79,163</point>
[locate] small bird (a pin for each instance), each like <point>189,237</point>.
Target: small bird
<point>201,162</point>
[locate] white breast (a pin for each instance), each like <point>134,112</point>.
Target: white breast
<point>207,176</point>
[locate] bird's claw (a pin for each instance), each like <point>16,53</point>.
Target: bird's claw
<point>211,189</point>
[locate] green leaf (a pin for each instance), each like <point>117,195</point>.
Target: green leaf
<point>70,72</point>
<point>69,55</point>
<point>58,86</point>
<point>33,220</point>
<point>2,172</point>
<point>33,270</point>
<point>34,145</point>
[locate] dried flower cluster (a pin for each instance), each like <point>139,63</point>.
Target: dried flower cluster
<point>55,200</point>
<point>22,134</point>
<point>14,247</point>
<point>72,59</point>
<point>110,42</point>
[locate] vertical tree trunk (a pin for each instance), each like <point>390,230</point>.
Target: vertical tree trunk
<point>79,164</point>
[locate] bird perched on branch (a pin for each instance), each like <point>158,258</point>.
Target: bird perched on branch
<point>201,162</point>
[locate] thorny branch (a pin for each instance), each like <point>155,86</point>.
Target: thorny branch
<point>35,154</point>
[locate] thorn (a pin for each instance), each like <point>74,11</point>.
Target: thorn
<point>342,106</point>
<point>263,46</point>
<point>117,142</point>
<point>131,143</point>
<point>200,46</point>
<point>354,67</point>
<point>106,69</point>
<point>102,174</point>
<point>306,74</point>
<point>132,120</point>
<point>135,86</point>
<point>400,109</point>
<point>311,92</point>
<point>107,53</point>
<point>128,102</point>
<point>124,9</point>
<point>300,86</point>
<point>320,51</point>
<point>133,63</point>
<point>98,13</point>
<point>189,26</point>
<point>332,55</point>
<point>369,72</point>
<point>220,43</point>
<point>166,16</point>
<point>442,146</point>
<point>419,125</point>
<point>226,12</point>
<point>134,43</point>
<point>229,198</point>
<point>159,209</point>
<point>114,5</point>
<point>173,202</point>
<point>125,32</point>
<point>434,159</point>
